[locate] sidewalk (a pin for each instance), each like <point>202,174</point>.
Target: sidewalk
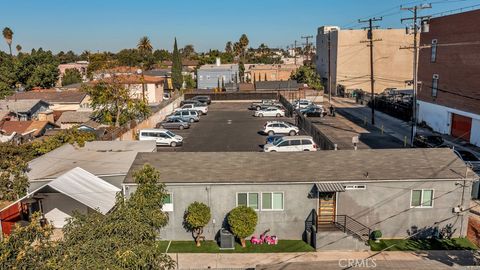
<point>244,260</point>
<point>391,125</point>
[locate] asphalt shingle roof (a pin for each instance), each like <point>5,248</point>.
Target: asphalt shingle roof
<point>70,96</point>
<point>328,166</point>
<point>22,106</point>
<point>74,117</point>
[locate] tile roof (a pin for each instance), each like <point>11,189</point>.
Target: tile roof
<point>74,117</point>
<point>327,166</point>
<point>23,127</point>
<point>51,96</point>
<point>22,105</point>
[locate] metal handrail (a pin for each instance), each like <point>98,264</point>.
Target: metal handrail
<point>349,225</point>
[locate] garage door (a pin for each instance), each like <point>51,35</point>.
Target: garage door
<point>461,126</point>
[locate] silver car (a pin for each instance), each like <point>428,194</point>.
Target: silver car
<point>186,115</point>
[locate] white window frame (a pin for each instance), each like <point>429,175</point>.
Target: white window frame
<point>248,199</point>
<point>273,210</point>
<point>168,207</point>
<point>421,198</point>
<point>355,187</point>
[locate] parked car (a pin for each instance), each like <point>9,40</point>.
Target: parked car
<point>273,138</point>
<point>317,111</point>
<point>263,103</point>
<point>470,159</point>
<point>186,115</point>
<point>270,111</point>
<point>428,141</point>
<point>203,109</point>
<point>192,101</point>
<point>302,103</point>
<point>173,123</point>
<point>205,99</point>
<point>272,128</point>
<point>292,144</point>
<point>161,137</point>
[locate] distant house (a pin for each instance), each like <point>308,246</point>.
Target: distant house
<point>290,85</point>
<point>22,110</point>
<point>264,72</point>
<point>58,100</point>
<point>74,191</point>
<point>210,76</point>
<point>24,131</point>
<point>120,70</point>
<point>148,87</point>
<point>81,66</point>
<point>109,160</point>
<point>396,191</point>
<point>69,119</point>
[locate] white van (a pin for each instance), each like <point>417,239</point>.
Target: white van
<point>291,144</point>
<point>160,136</point>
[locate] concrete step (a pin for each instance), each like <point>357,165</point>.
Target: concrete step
<point>338,240</point>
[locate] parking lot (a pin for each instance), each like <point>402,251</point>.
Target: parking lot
<point>228,127</point>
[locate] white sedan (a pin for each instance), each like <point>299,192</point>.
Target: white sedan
<point>270,111</point>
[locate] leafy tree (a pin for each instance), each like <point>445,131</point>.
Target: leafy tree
<point>196,218</point>
<point>71,76</point>
<point>177,78</point>
<point>44,76</point>
<point>29,247</point>
<point>19,48</point>
<point>241,71</point>
<point>189,82</point>
<point>68,57</point>
<point>242,221</point>
<point>36,69</point>
<point>237,48</point>
<point>8,76</point>
<point>188,52</point>
<point>71,136</point>
<point>113,103</point>
<point>229,47</point>
<point>8,36</point>
<point>243,44</point>
<point>129,57</point>
<point>99,61</point>
<point>308,75</point>
<point>144,45</point>
<point>162,55</point>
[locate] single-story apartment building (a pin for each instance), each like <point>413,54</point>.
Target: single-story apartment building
<point>68,100</point>
<point>397,191</point>
<point>210,76</point>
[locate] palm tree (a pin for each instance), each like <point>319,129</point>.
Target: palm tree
<point>8,35</point>
<point>228,47</point>
<point>19,48</point>
<point>244,44</point>
<point>144,45</point>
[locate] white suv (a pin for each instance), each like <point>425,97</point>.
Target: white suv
<point>302,103</point>
<point>292,144</point>
<point>194,107</point>
<point>161,137</point>
<point>277,127</point>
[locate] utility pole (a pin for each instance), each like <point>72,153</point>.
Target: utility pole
<point>372,78</point>
<point>415,18</point>
<point>306,46</point>
<point>295,52</point>
<point>329,70</point>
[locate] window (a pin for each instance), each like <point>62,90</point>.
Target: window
<point>168,203</point>
<point>433,57</point>
<point>349,187</point>
<point>272,201</point>
<point>248,199</point>
<point>422,198</point>
<point>284,143</point>
<point>435,85</point>
<point>307,142</point>
<point>295,142</point>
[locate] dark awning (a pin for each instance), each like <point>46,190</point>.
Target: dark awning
<point>330,187</point>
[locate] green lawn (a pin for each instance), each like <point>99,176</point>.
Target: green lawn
<point>428,244</point>
<point>212,247</point>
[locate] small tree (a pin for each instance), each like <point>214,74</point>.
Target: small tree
<point>71,76</point>
<point>242,221</point>
<point>196,218</point>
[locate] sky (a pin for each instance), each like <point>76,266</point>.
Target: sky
<point>111,25</point>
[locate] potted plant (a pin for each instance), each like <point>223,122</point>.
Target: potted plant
<point>242,221</point>
<point>196,218</point>
<point>376,235</point>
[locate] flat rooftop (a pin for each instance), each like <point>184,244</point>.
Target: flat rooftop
<point>327,166</point>
<point>98,157</point>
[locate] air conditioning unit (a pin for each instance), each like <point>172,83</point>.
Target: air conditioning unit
<point>227,240</point>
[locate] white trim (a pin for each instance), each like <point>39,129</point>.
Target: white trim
<point>273,210</point>
<point>421,198</point>
<point>168,207</point>
<point>248,198</point>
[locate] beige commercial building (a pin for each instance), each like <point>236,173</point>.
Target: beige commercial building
<point>350,58</point>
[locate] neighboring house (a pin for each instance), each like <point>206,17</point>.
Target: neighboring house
<point>209,76</point>
<point>349,58</point>
<point>81,66</point>
<point>276,72</point>
<point>290,85</point>
<point>396,191</point>
<point>74,191</point>
<point>25,130</point>
<point>109,160</point>
<point>148,87</point>
<point>22,110</point>
<point>449,91</point>
<point>58,100</point>
<point>120,70</point>
<point>69,119</point>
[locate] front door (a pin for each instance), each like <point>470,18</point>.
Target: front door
<point>326,207</point>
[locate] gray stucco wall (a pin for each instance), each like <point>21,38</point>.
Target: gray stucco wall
<point>208,78</point>
<point>382,205</point>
